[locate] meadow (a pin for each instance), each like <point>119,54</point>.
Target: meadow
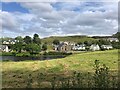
<point>41,74</point>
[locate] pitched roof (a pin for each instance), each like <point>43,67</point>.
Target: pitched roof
<point>2,47</point>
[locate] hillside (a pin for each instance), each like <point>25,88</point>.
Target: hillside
<point>49,40</point>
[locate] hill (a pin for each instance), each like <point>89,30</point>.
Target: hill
<point>117,35</point>
<point>76,39</point>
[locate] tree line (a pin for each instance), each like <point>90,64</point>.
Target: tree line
<point>31,45</point>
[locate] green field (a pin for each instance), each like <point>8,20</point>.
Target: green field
<point>15,74</point>
<point>76,39</point>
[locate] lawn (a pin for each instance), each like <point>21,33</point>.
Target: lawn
<point>15,74</point>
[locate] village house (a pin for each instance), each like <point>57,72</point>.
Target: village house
<point>4,48</point>
<point>94,47</point>
<point>113,39</point>
<point>68,46</point>
<point>107,47</point>
<point>55,47</point>
<point>9,42</point>
<point>64,46</point>
<point>79,47</point>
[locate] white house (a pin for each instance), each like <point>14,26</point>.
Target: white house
<point>107,47</point>
<point>55,47</point>
<point>79,47</point>
<point>4,48</point>
<point>94,47</point>
<point>113,39</point>
<point>10,42</point>
<point>5,42</point>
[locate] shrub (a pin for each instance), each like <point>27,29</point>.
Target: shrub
<point>101,76</point>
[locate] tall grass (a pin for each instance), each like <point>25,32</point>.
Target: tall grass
<point>102,78</point>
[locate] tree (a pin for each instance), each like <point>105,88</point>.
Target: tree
<point>19,38</point>
<point>27,39</point>
<point>87,43</point>
<point>115,45</point>
<point>33,48</point>
<point>117,35</point>
<point>56,42</point>
<point>36,39</point>
<point>44,47</point>
<point>79,43</point>
<point>103,42</point>
<point>18,46</point>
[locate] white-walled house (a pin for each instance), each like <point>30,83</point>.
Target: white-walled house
<point>79,47</point>
<point>94,47</point>
<point>113,39</point>
<point>10,42</point>
<point>55,47</point>
<point>107,47</point>
<point>4,48</point>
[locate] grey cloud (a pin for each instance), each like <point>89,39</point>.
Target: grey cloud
<point>8,21</point>
<point>45,20</point>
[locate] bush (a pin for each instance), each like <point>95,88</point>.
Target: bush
<point>56,53</point>
<point>7,54</point>
<point>101,76</point>
<point>23,54</point>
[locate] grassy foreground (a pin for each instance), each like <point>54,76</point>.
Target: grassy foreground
<point>15,74</point>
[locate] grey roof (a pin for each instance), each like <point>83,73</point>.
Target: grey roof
<point>2,47</point>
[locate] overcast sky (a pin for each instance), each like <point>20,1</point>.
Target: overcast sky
<point>59,18</point>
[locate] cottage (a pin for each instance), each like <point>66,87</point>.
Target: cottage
<point>10,42</point>
<point>55,47</point>
<point>4,48</point>
<point>94,47</point>
<point>79,47</point>
<point>5,42</point>
<point>64,46</point>
<point>107,47</point>
<point>113,39</point>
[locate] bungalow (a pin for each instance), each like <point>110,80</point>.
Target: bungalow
<point>79,47</point>
<point>4,48</point>
<point>106,47</point>
<point>94,47</point>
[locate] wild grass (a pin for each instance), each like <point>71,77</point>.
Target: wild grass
<point>59,72</point>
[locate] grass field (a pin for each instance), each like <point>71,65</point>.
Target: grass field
<point>76,39</point>
<point>15,74</point>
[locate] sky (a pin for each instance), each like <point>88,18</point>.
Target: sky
<point>59,18</point>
